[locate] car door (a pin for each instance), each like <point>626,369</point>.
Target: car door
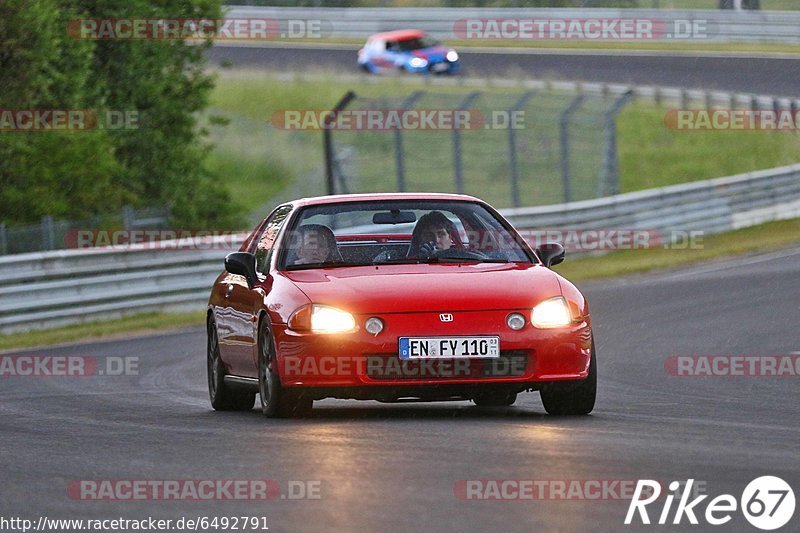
<point>392,57</point>
<point>244,302</point>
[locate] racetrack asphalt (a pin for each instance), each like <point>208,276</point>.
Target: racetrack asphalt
<point>393,467</point>
<point>776,76</point>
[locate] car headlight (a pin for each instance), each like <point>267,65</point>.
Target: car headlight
<point>552,313</point>
<point>321,319</point>
<point>418,62</point>
<point>452,56</point>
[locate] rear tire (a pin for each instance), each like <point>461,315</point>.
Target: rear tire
<point>572,398</point>
<point>495,399</point>
<point>276,401</point>
<point>222,397</point>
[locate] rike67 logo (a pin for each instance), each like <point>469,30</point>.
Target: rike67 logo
<point>767,502</point>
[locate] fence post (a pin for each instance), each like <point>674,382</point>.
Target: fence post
<point>512,147</point>
<point>608,183</point>
<point>327,140</point>
<point>3,239</point>
<point>564,126</point>
<point>398,141</point>
<point>48,237</point>
<point>457,166</point>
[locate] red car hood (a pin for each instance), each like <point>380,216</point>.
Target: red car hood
<point>410,288</point>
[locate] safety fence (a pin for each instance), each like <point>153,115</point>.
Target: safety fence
<point>48,289</point>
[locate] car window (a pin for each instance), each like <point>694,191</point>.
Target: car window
<point>372,232</point>
<point>266,241</point>
<point>417,43</point>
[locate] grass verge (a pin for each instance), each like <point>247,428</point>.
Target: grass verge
<point>134,324</point>
<point>764,237</point>
<point>254,156</point>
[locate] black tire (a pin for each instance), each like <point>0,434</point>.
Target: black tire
<point>495,399</point>
<point>221,396</point>
<point>276,401</point>
<point>572,398</point>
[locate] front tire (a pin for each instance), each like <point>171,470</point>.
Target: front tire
<point>276,401</point>
<point>572,398</point>
<point>221,396</point>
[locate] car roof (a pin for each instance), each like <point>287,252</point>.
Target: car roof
<point>397,35</point>
<point>342,198</point>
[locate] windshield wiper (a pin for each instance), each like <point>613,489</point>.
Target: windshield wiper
<point>450,259</point>
<point>326,264</point>
<point>399,261</point>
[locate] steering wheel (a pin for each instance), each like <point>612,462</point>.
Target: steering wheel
<point>456,253</point>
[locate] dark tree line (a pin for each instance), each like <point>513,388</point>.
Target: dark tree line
<point>159,161</point>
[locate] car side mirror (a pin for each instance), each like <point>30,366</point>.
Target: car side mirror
<point>551,253</point>
<point>243,264</point>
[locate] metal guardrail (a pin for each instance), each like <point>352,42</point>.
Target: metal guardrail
<point>48,289</point>
<point>717,25</point>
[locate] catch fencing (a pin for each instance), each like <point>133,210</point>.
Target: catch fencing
<point>54,234</point>
<point>531,147</point>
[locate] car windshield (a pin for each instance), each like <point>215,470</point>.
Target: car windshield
<point>416,43</point>
<point>399,232</point>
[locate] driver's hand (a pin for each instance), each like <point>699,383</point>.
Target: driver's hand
<point>427,249</point>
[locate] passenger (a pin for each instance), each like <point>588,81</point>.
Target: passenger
<point>315,243</point>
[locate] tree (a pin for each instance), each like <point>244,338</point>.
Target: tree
<point>75,174</point>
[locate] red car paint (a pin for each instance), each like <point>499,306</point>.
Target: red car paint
<point>410,299</point>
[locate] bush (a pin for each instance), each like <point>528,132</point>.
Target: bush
<point>82,173</point>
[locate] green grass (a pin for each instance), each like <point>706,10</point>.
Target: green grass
<point>258,160</point>
<point>132,325</point>
<point>764,237</point>
<point>652,155</point>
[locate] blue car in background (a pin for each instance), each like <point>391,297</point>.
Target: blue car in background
<point>409,51</point>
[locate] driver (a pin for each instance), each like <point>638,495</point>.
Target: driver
<point>433,232</point>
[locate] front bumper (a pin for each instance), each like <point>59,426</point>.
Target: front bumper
<point>359,360</point>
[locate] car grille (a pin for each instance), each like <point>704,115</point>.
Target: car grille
<point>384,367</point>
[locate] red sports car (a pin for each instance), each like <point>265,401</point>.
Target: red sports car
<point>395,297</point>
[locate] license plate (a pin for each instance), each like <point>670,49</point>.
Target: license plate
<point>440,67</point>
<point>449,347</point>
